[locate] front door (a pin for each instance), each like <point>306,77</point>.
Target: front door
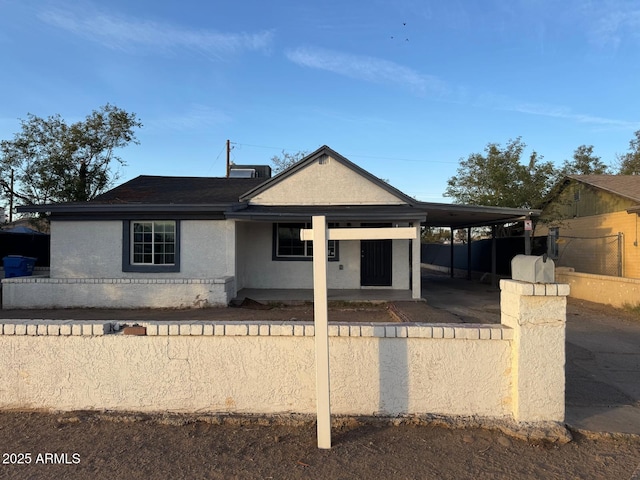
<point>375,263</point>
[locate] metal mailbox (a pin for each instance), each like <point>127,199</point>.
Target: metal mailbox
<point>533,269</point>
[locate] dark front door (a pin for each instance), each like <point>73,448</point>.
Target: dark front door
<point>375,263</point>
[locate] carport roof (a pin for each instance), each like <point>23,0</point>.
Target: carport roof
<point>464,216</point>
<point>430,214</point>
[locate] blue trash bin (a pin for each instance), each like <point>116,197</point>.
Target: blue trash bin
<point>18,266</point>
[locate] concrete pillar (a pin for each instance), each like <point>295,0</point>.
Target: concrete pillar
<point>537,314</point>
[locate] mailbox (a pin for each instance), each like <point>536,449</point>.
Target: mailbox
<point>533,269</point>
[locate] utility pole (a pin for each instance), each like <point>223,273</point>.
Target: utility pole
<point>228,157</point>
<point>11,199</point>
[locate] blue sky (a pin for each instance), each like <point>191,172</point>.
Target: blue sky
<point>403,88</point>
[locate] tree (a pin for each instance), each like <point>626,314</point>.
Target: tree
<point>435,235</point>
<point>585,162</point>
<point>281,163</point>
<point>499,178</point>
<point>629,163</point>
<point>56,162</point>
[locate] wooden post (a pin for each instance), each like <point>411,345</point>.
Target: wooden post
<point>321,321</point>
<point>320,236</point>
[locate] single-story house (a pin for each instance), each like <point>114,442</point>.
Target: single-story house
<point>158,241</point>
<point>592,224</point>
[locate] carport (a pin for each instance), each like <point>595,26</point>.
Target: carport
<point>457,217</point>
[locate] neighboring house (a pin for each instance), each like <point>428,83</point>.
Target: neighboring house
<point>592,223</point>
<point>192,241</point>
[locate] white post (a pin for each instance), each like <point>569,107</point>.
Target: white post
<point>416,279</point>
<point>320,236</point>
<point>320,316</point>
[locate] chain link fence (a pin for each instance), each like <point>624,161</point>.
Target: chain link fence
<point>597,255</point>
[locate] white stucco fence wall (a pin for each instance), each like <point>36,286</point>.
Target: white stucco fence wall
<point>511,371</point>
<point>256,368</point>
<point>43,292</point>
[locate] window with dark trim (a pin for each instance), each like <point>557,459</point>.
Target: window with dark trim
<point>288,246</point>
<point>151,246</point>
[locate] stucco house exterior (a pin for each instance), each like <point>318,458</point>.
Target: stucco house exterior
<point>592,223</point>
<point>185,242</point>
<point>192,241</point>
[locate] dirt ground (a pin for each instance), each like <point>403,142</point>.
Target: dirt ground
<point>86,445</point>
<point>408,311</point>
<point>83,445</point>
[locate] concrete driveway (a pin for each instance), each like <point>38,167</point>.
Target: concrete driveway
<point>602,352</point>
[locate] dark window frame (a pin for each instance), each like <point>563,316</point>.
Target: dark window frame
<point>276,257</point>
<point>127,254</point>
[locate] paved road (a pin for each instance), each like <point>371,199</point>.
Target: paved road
<point>602,352</point>
<point>603,369</point>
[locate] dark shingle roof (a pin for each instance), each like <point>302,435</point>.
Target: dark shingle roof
<point>179,190</point>
<point>623,185</point>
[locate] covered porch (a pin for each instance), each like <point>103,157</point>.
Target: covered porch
<point>303,295</point>
<point>274,263</point>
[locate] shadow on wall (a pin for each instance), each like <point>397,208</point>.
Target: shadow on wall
<point>393,358</point>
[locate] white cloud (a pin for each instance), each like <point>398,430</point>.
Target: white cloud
<point>503,102</point>
<point>566,113</point>
<point>368,69</point>
<point>118,32</point>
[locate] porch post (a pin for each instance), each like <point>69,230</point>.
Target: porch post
<point>320,315</point>
<point>416,287</point>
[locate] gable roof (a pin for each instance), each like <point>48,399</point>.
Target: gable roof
<point>149,196</point>
<point>312,157</point>
<point>623,185</point>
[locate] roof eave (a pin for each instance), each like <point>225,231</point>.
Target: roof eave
<point>331,216</point>
<point>93,208</point>
<point>635,209</point>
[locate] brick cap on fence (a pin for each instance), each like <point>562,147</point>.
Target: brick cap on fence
<point>535,289</point>
<point>280,329</point>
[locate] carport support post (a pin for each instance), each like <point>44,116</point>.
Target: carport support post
<point>451,253</point>
<point>494,275</point>
<point>469,253</point>
<point>320,316</point>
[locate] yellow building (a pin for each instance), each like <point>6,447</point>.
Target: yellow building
<point>592,224</point>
